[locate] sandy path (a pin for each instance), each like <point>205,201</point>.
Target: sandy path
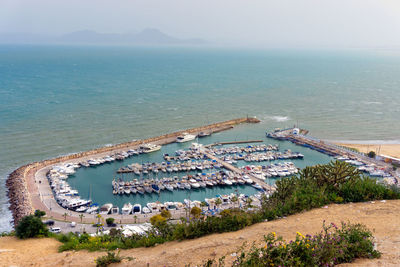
<point>382,217</point>
<point>389,150</point>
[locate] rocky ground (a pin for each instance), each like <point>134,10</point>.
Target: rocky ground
<point>381,217</point>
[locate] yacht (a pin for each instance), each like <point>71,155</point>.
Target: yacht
<point>106,208</point>
<point>137,209</point>
<point>147,148</point>
<point>185,137</point>
<point>115,210</point>
<point>126,209</point>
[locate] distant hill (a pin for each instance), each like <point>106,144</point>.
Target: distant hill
<point>145,37</point>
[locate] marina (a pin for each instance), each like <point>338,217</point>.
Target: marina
<point>157,174</point>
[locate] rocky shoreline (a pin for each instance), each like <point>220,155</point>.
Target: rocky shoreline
<point>20,197</point>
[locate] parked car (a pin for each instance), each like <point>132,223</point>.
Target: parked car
<point>55,230</point>
<point>49,222</point>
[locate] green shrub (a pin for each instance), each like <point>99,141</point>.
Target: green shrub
<point>39,213</point>
<point>111,257</point>
<point>331,247</point>
<point>110,221</point>
<point>31,226</point>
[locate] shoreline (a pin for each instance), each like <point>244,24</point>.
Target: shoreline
<point>392,150</point>
<point>23,190</point>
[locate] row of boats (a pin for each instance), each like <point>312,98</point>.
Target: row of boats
<point>209,204</point>
<point>186,182</point>
<point>369,168</point>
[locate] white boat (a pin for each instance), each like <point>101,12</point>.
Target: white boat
<point>81,209</point>
<point>92,209</point>
<point>147,148</point>
<point>169,187</point>
<point>106,208</point>
<point>115,210</point>
<point>126,209</point>
<point>146,210</point>
<point>185,137</point>
<point>137,209</point>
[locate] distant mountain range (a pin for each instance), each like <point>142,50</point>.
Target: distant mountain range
<point>145,37</point>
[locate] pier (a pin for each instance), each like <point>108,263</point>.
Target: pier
<point>232,168</point>
<point>299,137</point>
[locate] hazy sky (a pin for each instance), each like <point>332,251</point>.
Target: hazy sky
<point>258,22</point>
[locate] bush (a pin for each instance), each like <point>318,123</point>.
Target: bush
<point>166,214</point>
<point>157,220</point>
<point>195,212</point>
<point>110,221</point>
<point>31,226</point>
<point>39,213</point>
<point>111,257</point>
<point>332,246</point>
<point>371,154</point>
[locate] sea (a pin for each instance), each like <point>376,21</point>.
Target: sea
<point>57,100</point>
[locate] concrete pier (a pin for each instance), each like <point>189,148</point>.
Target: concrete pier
<point>232,168</point>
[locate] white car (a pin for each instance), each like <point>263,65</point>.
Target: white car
<point>55,230</point>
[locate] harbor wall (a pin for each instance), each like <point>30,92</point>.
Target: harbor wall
<point>20,192</point>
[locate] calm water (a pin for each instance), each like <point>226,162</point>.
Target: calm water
<point>59,100</point>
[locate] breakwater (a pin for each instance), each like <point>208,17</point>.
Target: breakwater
<point>22,190</point>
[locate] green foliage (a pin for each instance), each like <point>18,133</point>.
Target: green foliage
<point>166,214</point>
<point>31,226</point>
<point>157,220</point>
<point>371,154</point>
<point>12,233</point>
<point>111,257</point>
<point>331,247</point>
<point>110,221</point>
<point>336,182</point>
<point>39,213</point>
<point>195,212</point>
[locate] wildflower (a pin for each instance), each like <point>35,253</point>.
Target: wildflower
<point>274,234</point>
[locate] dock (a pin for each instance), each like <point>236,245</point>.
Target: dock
<point>232,168</point>
<point>234,142</point>
<point>300,137</point>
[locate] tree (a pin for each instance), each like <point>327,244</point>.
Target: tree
<point>158,220</point>
<point>39,213</point>
<point>218,202</point>
<point>135,217</point>
<point>166,214</point>
<point>31,226</point>
<point>81,216</point>
<point>110,221</point>
<point>65,216</point>
<point>235,199</point>
<point>98,216</point>
<point>203,204</point>
<point>371,154</point>
<point>249,200</point>
<point>195,212</point>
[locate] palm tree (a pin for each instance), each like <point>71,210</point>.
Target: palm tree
<point>203,204</point>
<point>98,216</point>
<point>65,216</point>
<point>135,217</point>
<point>218,202</point>
<point>235,200</point>
<point>248,202</point>
<point>81,216</point>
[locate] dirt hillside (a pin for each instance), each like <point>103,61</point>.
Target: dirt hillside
<point>381,217</point>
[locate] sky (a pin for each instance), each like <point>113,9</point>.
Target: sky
<point>305,23</point>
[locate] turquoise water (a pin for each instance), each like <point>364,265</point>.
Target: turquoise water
<point>57,100</point>
<point>97,180</point>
